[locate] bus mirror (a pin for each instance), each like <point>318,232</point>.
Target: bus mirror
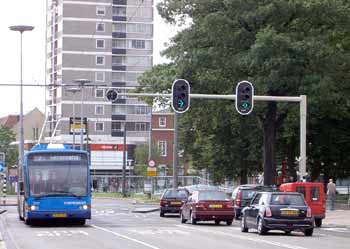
<point>21,188</point>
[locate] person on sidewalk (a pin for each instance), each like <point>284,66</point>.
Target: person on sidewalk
<point>331,193</point>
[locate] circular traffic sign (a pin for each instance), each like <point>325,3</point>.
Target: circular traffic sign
<point>112,94</point>
<point>151,163</point>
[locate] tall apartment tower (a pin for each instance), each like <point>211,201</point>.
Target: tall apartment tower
<point>110,44</point>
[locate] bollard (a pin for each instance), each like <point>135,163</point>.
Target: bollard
<point>4,189</point>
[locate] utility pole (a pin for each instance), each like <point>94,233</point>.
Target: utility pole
<point>175,173</point>
<point>124,161</point>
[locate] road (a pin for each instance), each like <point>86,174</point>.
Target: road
<point>114,226</point>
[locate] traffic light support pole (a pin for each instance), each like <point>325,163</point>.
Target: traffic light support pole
<point>302,99</point>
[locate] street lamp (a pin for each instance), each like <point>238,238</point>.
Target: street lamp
<point>21,29</point>
<point>73,90</point>
<point>82,82</point>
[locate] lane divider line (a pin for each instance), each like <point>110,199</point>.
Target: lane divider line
<point>126,237</point>
<point>278,244</point>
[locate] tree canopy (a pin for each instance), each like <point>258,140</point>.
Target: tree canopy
<point>285,48</point>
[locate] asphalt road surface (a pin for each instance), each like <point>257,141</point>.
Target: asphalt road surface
<point>114,226</point>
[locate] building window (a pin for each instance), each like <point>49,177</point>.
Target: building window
<point>140,126</point>
<point>119,11</point>
<point>100,76</point>
<point>140,109</point>
<point>35,134</point>
<point>118,76</point>
<point>162,148</point>
<point>99,93</point>
<point>100,11</point>
<point>118,60</point>
<point>100,27</point>
<point>119,27</point>
<point>100,60</point>
<point>99,110</point>
<point>118,43</point>
<point>162,121</point>
<point>116,126</point>
<point>99,126</point>
<point>100,43</point>
<point>139,44</point>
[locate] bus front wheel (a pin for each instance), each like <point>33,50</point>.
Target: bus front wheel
<point>80,222</point>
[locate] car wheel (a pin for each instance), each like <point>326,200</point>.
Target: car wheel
<point>287,232</point>
<point>217,222</point>
<point>193,220</point>
<point>318,222</point>
<point>161,214</point>
<point>261,228</point>
<point>183,220</point>
<point>244,227</point>
<point>309,232</point>
<point>229,222</point>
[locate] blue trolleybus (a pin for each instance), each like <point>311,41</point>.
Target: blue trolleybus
<point>54,183</point>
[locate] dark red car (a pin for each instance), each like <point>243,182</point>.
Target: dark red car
<point>172,200</point>
<point>205,205</point>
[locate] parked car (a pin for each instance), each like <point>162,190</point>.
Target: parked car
<point>286,211</point>
<point>314,196</point>
<point>206,205</point>
<point>172,200</point>
<point>243,194</point>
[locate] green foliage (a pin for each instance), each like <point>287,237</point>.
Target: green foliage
<point>7,136</point>
<point>284,48</point>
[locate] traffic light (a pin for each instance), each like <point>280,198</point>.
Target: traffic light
<point>180,96</point>
<point>244,97</point>
<point>112,94</point>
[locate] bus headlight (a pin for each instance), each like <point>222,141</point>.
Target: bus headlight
<point>33,208</point>
<point>85,207</point>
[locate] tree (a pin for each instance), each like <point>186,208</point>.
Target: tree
<point>284,47</point>
<point>7,136</point>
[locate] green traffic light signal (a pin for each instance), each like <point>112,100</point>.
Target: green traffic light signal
<point>180,103</point>
<point>245,105</point>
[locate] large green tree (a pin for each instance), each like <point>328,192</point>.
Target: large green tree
<point>284,47</point>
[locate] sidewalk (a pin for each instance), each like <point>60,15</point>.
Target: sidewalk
<point>337,218</point>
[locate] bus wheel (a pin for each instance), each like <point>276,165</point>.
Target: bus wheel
<point>80,222</point>
<point>27,222</point>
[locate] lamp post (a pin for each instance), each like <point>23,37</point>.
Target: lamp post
<point>82,82</point>
<point>73,90</point>
<point>21,29</point>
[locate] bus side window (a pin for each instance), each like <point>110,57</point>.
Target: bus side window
<point>301,190</point>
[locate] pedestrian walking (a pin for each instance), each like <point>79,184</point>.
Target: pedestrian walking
<point>331,193</point>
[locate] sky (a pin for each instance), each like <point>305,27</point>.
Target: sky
<point>24,12</point>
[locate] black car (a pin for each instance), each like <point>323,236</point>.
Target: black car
<point>243,194</point>
<point>172,200</point>
<point>286,211</point>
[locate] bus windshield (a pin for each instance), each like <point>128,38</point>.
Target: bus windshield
<point>58,175</point>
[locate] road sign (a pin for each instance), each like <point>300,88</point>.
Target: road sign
<point>2,166</point>
<point>151,163</point>
<point>151,171</point>
<point>244,97</point>
<point>180,96</point>
<point>74,125</point>
<point>111,94</point>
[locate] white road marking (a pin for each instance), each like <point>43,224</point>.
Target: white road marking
<point>337,229</point>
<point>60,233</point>
<point>278,244</point>
<point>126,237</point>
<point>160,231</point>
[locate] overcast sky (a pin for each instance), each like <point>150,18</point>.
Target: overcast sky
<point>16,12</point>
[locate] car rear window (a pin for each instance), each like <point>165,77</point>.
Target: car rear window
<point>248,194</point>
<point>295,200</point>
<point>175,194</point>
<point>212,195</point>
<point>315,193</point>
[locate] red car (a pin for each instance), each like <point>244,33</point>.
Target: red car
<point>205,205</point>
<point>172,200</point>
<point>314,196</point>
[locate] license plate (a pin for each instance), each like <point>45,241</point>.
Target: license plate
<point>59,215</point>
<point>175,203</point>
<point>290,212</point>
<point>215,206</point>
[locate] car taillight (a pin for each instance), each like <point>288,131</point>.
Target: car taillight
<point>163,202</point>
<point>268,212</point>
<point>309,213</point>
<point>238,199</point>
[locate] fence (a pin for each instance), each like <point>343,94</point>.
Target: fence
<point>137,184</point>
